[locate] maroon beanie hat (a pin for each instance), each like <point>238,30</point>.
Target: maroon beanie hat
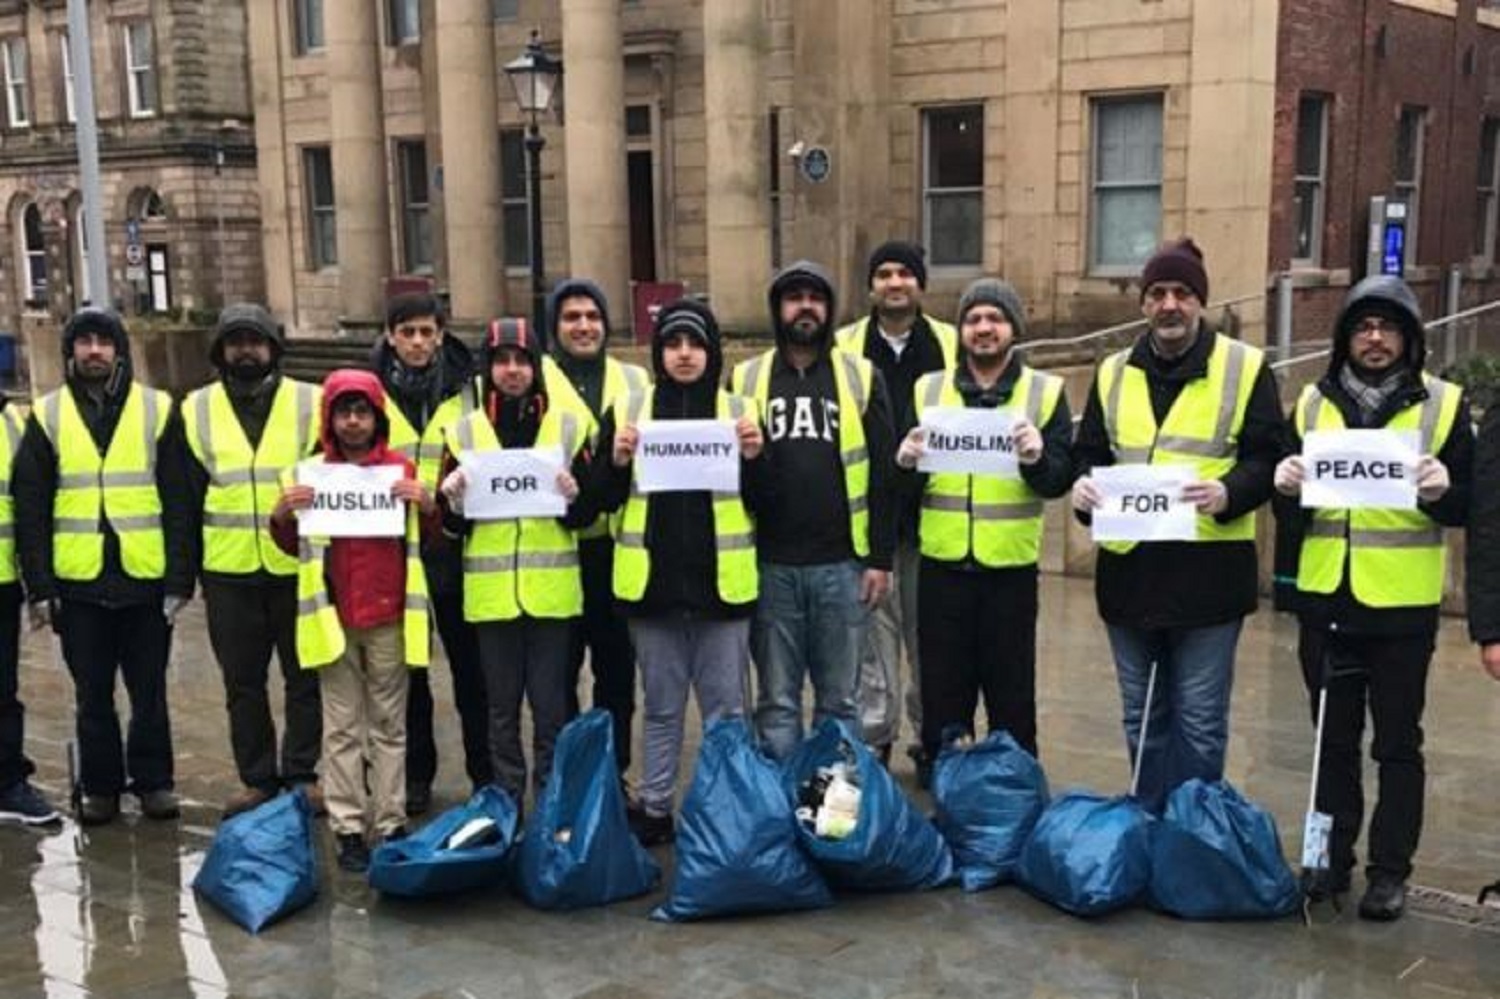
<point>1181,261</point>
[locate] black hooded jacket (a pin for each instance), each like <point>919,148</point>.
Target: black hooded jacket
<point>34,485</point>
<point>418,394</point>
<point>679,525</point>
<point>805,515</point>
<point>586,374</point>
<point>1185,584</point>
<point>1391,297</point>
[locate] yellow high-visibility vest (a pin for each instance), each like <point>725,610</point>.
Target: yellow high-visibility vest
<point>1202,429</point>
<point>118,488</point>
<point>244,483</point>
<point>527,566</point>
<point>620,380</point>
<point>11,428</point>
<point>425,449</point>
<point>854,377</point>
<point>738,578</point>
<point>1396,558</point>
<point>995,521</point>
<point>853,337</point>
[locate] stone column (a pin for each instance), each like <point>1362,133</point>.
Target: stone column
<point>465,50</point>
<point>1029,139</point>
<point>361,185</point>
<point>271,162</point>
<point>598,206</point>
<point>735,44</point>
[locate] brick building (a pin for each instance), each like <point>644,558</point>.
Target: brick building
<point>171,84</point>
<point>1052,141</point>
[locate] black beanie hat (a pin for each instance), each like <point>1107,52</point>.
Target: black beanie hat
<point>912,256</point>
<point>1181,261</point>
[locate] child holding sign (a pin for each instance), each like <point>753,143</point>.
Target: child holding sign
<point>685,573</point>
<point>361,621</point>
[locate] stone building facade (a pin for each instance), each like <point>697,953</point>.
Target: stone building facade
<point>1055,142</point>
<point>171,85</point>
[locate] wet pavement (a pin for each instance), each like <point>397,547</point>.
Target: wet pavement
<point>109,912</point>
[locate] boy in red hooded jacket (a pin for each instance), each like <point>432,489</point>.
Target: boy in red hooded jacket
<point>378,590</point>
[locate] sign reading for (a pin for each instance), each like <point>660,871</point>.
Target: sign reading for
<point>969,441</point>
<point>509,484</point>
<point>351,501</point>
<point>1360,469</point>
<point>1144,503</point>
<point>687,456</point>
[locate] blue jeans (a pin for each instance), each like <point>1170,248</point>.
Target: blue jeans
<point>809,624</point>
<point>1189,727</point>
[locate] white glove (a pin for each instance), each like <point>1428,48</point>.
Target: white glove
<point>1290,474</point>
<point>171,607</point>
<point>912,448</point>
<point>1433,481</point>
<point>454,487</point>
<point>1086,495</point>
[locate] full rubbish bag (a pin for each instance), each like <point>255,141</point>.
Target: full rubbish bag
<point>1216,855</point>
<point>262,864</point>
<point>737,846</point>
<point>890,846</point>
<point>464,848</point>
<point>578,851</point>
<point>1089,854</point>
<point>989,795</point>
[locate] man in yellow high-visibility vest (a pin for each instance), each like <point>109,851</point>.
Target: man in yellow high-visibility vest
<point>1370,582</point>
<point>243,431</point>
<point>104,527</point>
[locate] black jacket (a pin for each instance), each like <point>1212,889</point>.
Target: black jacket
<point>1483,576</point>
<point>1184,584</point>
<point>1340,610</point>
<point>35,484</point>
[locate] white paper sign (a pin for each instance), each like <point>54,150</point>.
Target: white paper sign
<point>687,456</point>
<point>1361,469</point>
<point>1143,503</point>
<point>351,501</point>
<point>509,484</point>
<point>969,441</point>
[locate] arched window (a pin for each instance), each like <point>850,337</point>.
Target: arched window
<point>33,254</point>
<point>153,209</point>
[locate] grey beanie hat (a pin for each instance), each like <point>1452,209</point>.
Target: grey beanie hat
<point>994,291</point>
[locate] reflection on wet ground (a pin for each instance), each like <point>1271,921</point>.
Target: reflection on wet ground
<point>110,912</point>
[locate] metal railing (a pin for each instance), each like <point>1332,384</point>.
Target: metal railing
<point>1445,325</point>
<point>1108,331</point>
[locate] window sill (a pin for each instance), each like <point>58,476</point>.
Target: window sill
<point>1422,274</point>
<point>517,270</point>
<point>1443,8</point>
<point>1312,276</point>
<point>141,115</point>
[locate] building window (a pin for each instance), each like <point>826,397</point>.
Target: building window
<point>70,100</point>
<point>1125,177</point>
<point>322,215</point>
<point>307,25</point>
<point>405,21</point>
<point>1312,166</point>
<point>953,185</point>
<point>515,222</point>
<point>153,209</point>
<point>33,257</point>
<point>140,69</point>
<point>17,98</point>
<point>416,216</point>
<point>507,10</point>
<point>1489,183</point>
<point>1411,134</point>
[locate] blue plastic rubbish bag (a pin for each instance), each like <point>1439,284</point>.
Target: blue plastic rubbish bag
<point>578,851</point>
<point>989,796</point>
<point>737,846</point>
<point>262,864</point>
<point>425,863</point>
<point>892,846</point>
<point>1215,855</point>
<point>1089,854</point>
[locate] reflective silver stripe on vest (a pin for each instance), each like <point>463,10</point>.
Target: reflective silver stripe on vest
<point>1034,391</point>
<point>1234,374</point>
<point>152,406</point>
<point>205,434</point>
<point>1112,403</point>
<point>857,387</point>
<point>305,395</point>
<point>736,542</point>
<point>635,406</point>
<point>1219,447</point>
<point>631,539</point>
<point>1312,410</point>
<point>1421,537</point>
<point>1132,455</point>
<point>635,378</point>
<point>74,525</point>
<point>855,455</point>
<point>1025,510</point>
<point>569,435</point>
<point>52,415</point>
<point>523,560</point>
<point>1432,411</point>
<point>83,480</point>
<point>13,438</point>
<point>934,395</point>
<point>1321,528</point>
<point>238,477</point>
<point>416,603</point>
<point>7,532</point>
<point>230,521</point>
<point>754,373</point>
<point>465,433</point>
<point>738,407</point>
<point>147,522</point>
<point>858,504</point>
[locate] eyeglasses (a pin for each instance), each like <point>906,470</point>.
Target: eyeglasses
<point>1367,327</point>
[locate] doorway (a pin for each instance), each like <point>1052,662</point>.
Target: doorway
<point>642,186</point>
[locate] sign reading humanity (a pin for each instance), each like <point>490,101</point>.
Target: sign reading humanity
<point>687,456</point>
<point>351,501</point>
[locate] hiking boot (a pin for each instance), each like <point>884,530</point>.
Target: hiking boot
<point>1384,899</point>
<point>1322,886</point>
<point>24,804</point>
<point>418,799</point>
<point>650,830</point>
<point>98,809</point>
<point>160,804</point>
<point>353,854</point>
<point>244,800</point>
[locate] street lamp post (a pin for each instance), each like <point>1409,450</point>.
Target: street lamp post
<point>534,74</point>
<point>228,128</point>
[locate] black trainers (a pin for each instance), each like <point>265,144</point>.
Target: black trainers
<point>650,830</point>
<point>1384,900</point>
<point>98,809</point>
<point>354,855</point>
<point>159,804</point>
<point>1322,886</point>
<point>418,799</point>
<point>24,804</point>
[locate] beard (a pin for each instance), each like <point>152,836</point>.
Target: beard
<point>248,370</point>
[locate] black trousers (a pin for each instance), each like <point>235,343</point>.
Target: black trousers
<point>527,657</point>
<point>1389,675</point>
<point>606,635</point>
<point>976,634</point>
<point>247,622</point>
<point>461,644</point>
<point>14,766</point>
<point>134,641</point>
